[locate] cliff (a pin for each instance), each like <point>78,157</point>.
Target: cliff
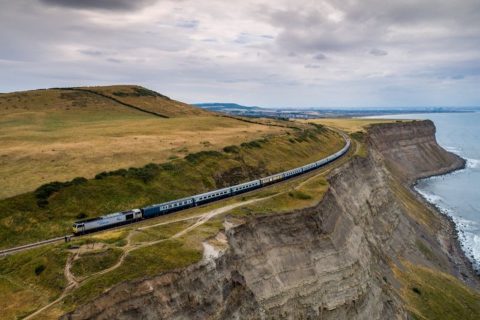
<point>343,258</point>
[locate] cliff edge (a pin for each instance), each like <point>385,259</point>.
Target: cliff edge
<point>352,256</point>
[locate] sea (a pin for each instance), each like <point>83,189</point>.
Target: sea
<point>457,194</point>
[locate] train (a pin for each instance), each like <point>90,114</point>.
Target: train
<point>130,216</point>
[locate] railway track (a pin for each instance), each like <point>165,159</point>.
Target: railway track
<point>34,245</point>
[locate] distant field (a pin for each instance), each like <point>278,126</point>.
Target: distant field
<point>349,124</point>
<point>49,135</point>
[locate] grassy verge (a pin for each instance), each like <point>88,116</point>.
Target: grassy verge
<point>96,261</point>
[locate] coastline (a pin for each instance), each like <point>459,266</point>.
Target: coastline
<point>456,249</point>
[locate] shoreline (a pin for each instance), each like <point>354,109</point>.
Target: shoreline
<point>452,230</point>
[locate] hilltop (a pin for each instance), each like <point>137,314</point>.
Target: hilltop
<point>119,98</point>
<point>63,133</point>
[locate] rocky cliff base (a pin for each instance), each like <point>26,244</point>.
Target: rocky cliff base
<point>347,257</point>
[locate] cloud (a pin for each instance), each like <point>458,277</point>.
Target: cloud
<point>320,56</point>
<point>312,66</point>
<point>378,52</point>
<point>101,4</point>
<point>188,24</point>
<point>369,52</point>
<point>88,52</point>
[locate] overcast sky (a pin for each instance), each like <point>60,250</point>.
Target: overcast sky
<point>277,53</point>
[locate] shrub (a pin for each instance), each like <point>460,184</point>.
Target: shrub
<point>168,166</point>
<point>306,135</point>
<point>139,92</point>
<point>299,195</point>
<point>39,269</point>
<point>231,149</point>
<point>42,203</point>
<point>416,290</point>
<point>196,157</point>
<point>81,215</point>
<point>318,127</point>
<point>146,174</point>
<point>79,180</point>
<point>253,144</point>
<point>44,192</point>
<point>119,172</point>
<point>101,175</point>
<point>359,136</point>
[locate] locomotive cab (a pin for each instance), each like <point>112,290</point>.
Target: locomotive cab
<point>78,228</point>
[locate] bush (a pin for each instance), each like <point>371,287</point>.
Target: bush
<point>146,174</point>
<point>101,175</point>
<point>168,166</point>
<point>231,149</point>
<point>39,269</point>
<point>359,136</point>
<point>299,195</point>
<point>416,290</point>
<point>42,203</point>
<point>139,92</point>
<point>318,127</point>
<point>81,215</point>
<point>79,180</point>
<point>306,135</point>
<point>253,144</point>
<point>196,157</point>
<point>44,192</point>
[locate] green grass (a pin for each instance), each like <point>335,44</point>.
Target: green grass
<point>91,262</point>
<point>160,232</point>
<point>432,295</point>
<point>291,197</point>
<point>148,261</point>
<point>30,279</point>
<point>23,221</point>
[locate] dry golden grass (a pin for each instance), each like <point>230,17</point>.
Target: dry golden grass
<point>49,135</point>
<point>149,100</point>
<point>349,124</point>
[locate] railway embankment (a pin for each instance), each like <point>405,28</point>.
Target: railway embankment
<point>371,249</point>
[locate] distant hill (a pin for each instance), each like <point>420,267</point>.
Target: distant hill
<point>217,106</point>
<point>107,98</point>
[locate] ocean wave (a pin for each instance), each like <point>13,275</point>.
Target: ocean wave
<point>473,163</point>
<point>430,197</point>
<point>455,150</point>
<point>469,239</point>
<point>468,230</point>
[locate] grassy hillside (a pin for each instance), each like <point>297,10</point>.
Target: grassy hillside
<point>52,208</point>
<point>434,295</point>
<point>57,135</point>
<point>147,100</point>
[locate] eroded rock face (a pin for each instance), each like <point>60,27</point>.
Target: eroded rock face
<point>332,261</point>
<point>412,149</point>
